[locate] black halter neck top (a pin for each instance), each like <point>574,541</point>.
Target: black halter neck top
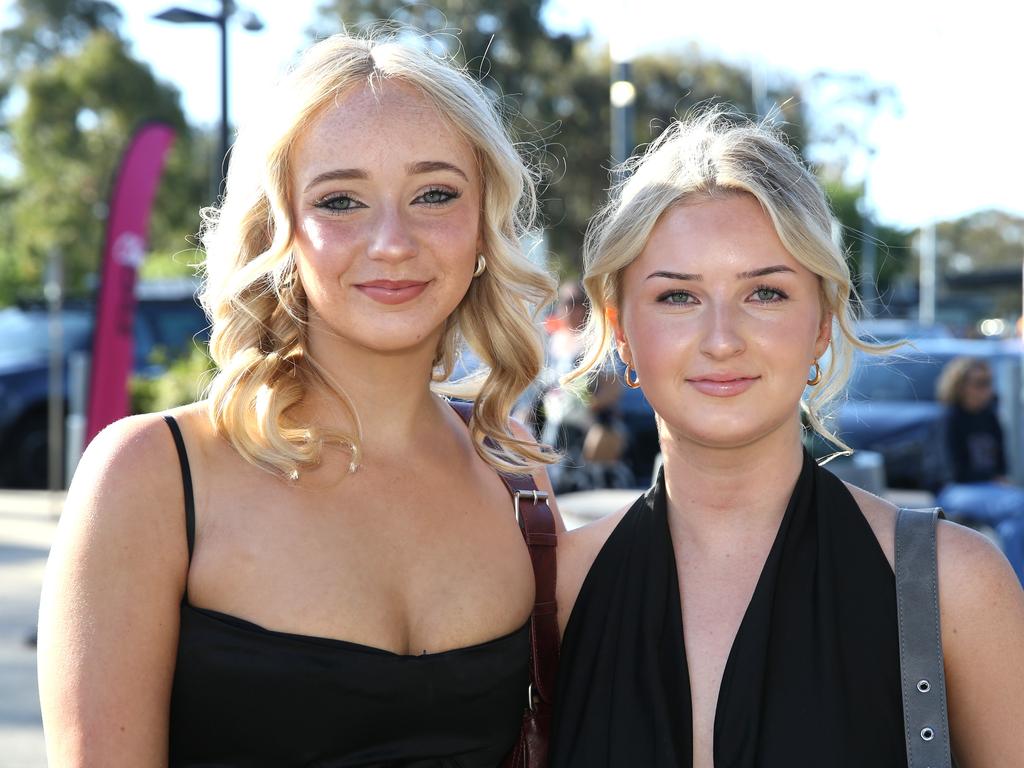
<point>812,679</point>
<point>247,697</point>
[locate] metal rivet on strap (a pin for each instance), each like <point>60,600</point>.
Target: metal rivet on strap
<point>924,686</point>
<point>927,734</point>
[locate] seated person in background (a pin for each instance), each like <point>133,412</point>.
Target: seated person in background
<point>974,438</point>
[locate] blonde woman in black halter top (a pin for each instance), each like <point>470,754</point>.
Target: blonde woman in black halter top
<point>319,564</point>
<point>742,613</point>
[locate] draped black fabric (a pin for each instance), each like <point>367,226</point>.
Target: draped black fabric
<point>812,679</point>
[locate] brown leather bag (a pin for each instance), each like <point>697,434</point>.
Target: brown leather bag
<point>537,524</point>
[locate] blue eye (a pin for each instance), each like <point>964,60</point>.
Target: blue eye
<point>338,203</point>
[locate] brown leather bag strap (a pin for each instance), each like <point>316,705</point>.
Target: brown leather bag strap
<point>537,523</point>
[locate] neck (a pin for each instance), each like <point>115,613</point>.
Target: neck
<point>389,391</point>
<point>716,494</point>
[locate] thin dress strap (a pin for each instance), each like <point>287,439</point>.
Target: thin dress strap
<point>186,481</point>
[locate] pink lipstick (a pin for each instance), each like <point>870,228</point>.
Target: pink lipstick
<point>392,291</point>
<point>723,384</point>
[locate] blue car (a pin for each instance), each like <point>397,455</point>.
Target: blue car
<point>892,407</point>
<point>166,321</point>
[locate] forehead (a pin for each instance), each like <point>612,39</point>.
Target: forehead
<point>378,129</point>
<point>716,232</point>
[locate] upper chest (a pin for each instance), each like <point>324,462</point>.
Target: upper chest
<point>392,555</point>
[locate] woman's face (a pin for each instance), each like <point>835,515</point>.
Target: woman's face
<point>976,391</point>
<point>721,323</point>
<point>387,201</point>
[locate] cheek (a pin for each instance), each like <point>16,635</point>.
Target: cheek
<point>323,249</point>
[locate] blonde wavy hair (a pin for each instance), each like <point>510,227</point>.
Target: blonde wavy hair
<point>709,155</point>
<point>256,303</point>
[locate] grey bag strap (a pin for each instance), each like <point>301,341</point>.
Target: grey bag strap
<point>921,668</point>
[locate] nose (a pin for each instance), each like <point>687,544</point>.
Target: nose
<point>722,336</point>
<point>392,239</point>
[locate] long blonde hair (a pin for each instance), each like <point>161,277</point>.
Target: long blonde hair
<point>255,300</point>
<point>717,153</point>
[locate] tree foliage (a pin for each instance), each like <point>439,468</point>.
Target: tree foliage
<point>82,98</point>
<point>555,88</point>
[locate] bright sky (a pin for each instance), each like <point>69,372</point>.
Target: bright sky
<point>956,147</point>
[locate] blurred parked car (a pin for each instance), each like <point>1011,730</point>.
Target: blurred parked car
<point>167,319</point>
<point>892,406</point>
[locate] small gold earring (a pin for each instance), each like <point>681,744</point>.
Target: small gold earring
<point>481,265</point>
<point>816,378</point>
<point>635,382</point>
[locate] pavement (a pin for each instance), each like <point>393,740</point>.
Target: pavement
<point>28,520</point>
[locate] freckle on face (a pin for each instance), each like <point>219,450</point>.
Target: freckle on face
<point>391,234</point>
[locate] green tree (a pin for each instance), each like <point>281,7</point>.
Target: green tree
<point>82,94</point>
<point>892,246</point>
<point>80,110</point>
<point>555,86</point>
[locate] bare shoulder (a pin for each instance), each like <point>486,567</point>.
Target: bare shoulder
<point>981,607</point>
<point>110,600</point>
<point>982,619</point>
<point>881,516</point>
<point>577,550</point>
<point>128,485</point>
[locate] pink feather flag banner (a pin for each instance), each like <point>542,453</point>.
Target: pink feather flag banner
<point>113,346</point>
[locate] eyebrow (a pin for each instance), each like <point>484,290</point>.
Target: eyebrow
<point>429,166</point>
<point>413,169</point>
<point>338,174</point>
<point>740,276</point>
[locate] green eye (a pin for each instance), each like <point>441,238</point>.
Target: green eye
<point>768,295</point>
<point>437,196</point>
<point>337,203</point>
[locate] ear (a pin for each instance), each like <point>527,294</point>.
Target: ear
<point>824,335</point>
<point>611,315</point>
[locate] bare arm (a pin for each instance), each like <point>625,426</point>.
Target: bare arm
<point>982,607</point>
<point>108,621</point>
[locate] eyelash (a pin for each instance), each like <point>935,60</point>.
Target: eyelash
<point>780,296</point>
<point>326,203</point>
<point>451,194</point>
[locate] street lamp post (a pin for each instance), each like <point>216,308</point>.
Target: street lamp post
<point>622,98</point>
<point>251,23</point>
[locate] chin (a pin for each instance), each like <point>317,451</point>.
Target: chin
<point>730,433</point>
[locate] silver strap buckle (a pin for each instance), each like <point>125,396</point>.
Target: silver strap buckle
<point>535,496</point>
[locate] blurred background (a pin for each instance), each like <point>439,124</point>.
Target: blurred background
<point>909,115</point>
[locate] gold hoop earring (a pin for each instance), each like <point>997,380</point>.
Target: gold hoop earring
<point>816,378</point>
<point>635,382</point>
<point>481,265</point>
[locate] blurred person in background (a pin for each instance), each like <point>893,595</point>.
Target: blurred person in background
<point>980,492</point>
<point>320,564</point>
<point>743,611</point>
<point>974,438</point>
<point>581,422</point>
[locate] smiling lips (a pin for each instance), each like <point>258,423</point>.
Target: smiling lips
<point>723,384</point>
<point>392,291</point>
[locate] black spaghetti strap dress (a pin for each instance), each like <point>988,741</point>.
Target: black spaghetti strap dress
<point>812,679</point>
<point>246,697</point>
